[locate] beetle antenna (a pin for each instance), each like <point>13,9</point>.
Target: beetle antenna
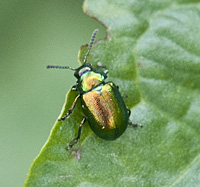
<point>90,46</point>
<point>60,67</point>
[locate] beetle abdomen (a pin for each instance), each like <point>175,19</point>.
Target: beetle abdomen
<point>106,111</point>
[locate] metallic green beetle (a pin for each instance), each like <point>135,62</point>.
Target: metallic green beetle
<point>101,101</point>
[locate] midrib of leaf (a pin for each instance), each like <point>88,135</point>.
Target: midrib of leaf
<point>184,172</point>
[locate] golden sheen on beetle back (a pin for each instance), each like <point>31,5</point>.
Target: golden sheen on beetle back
<point>106,110</point>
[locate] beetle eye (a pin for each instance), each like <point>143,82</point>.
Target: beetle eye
<point>82,71</point>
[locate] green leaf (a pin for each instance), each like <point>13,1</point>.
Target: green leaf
<point>152,53</point>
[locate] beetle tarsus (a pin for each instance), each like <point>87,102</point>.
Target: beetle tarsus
<point>129,111</point>
<point>68,148</point>
<point>71,144</point>
<point>70,110</point>
<point>65,116</point>
<point>74,88</point>
<point>100,65</point>
<point>78,136</point>
<point>134,125</point>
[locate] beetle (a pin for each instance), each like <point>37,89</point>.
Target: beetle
<point>103,106</point>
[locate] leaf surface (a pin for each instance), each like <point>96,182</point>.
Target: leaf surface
<point>152,53</point>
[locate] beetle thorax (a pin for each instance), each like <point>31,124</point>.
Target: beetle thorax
<point>90,79</point>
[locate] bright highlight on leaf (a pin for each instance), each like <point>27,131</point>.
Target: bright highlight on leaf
<point>152,53</point>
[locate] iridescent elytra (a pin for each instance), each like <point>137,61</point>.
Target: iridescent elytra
<point>102,104</point>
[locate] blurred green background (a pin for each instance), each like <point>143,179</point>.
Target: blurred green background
<point>34,34</point>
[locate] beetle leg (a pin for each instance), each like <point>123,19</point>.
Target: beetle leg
<point>134,124</point>
<point>129,122</point>
<point>78,136</point>
<point>129,111</point>
<point>100,65</point>
<point>125,96</point>
<point>74,88</point>
<point>70,110</point>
